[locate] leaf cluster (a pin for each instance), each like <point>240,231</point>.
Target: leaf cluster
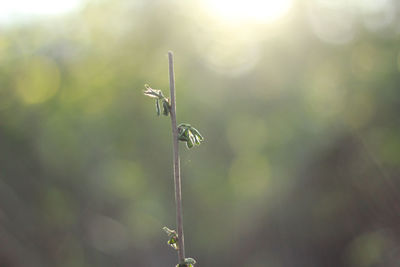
<point>159,97</point>
<point>186,132</point>
<point>173,237</point>
<point>189,134</point>
<point>173,242</point>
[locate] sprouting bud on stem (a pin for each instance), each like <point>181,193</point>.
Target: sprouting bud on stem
<point>189,134</point>
<point>159,96</point>
<point>173,237</point>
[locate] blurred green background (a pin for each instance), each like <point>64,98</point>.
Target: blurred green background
<point>300,114</point>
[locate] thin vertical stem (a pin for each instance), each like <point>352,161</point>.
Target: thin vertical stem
<point>176,162</point>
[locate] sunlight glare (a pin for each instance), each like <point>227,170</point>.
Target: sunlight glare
<point>17,9</point>
<point>250,10</point>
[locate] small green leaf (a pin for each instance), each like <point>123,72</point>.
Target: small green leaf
<point>196,139</point>
<point>182,131</point>
<point>191,137</point>
<point>166,107</point>
<point>158,107</point>
<point>196,132</point>
<point>182,136</point>
<point>189,144</point>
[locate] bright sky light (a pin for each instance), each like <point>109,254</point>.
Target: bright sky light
<point>250,10</point>
<point>11,10</point>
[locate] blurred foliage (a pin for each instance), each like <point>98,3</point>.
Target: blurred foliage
<point>300,163</point>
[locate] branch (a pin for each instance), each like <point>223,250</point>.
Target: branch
<point>176,162</point>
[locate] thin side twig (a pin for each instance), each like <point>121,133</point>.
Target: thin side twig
<point>176,162</point>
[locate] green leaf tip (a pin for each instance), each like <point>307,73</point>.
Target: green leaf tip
<point>189,134</point>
